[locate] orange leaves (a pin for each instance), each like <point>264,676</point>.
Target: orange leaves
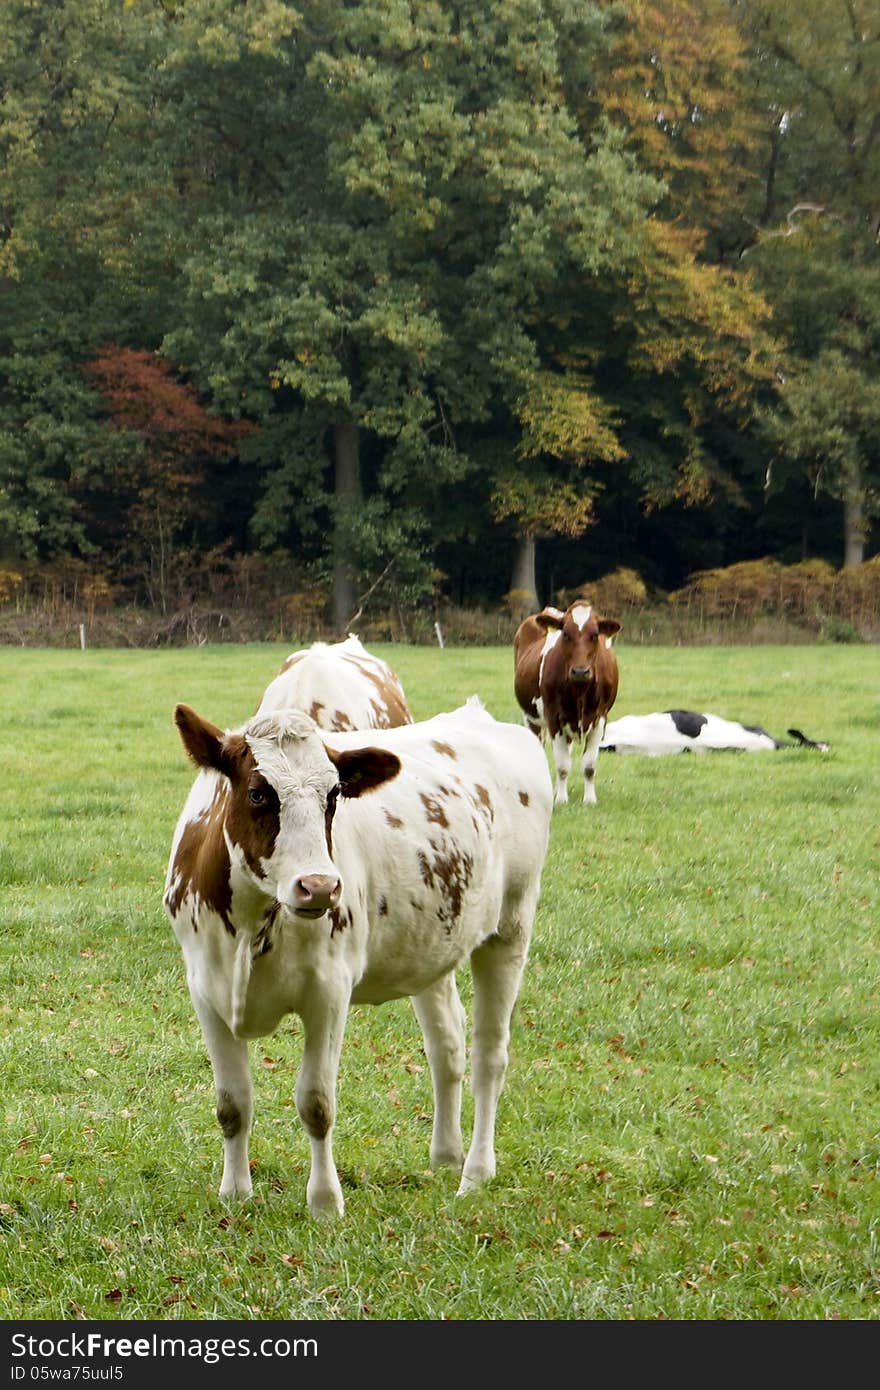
<point>142,394</point>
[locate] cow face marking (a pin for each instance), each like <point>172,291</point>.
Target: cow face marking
<point>201,864</point>
<point>329,813</point>
<point>524,798</point>
<point>340,917</point>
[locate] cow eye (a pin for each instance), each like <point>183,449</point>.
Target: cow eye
<point>256,796</point>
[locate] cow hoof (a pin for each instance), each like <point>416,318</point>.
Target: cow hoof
<point>325,1206</point>
<point>447,1158</point>
<point>475,1179</point>
<point>231,1193</point>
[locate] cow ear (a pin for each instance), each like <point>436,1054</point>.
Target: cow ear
<point>363,769</point>
<point>202,740</point>
<point>608,626</point>
<point>550,617</point>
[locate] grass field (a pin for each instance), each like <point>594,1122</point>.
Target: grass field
<point>691,1123</point>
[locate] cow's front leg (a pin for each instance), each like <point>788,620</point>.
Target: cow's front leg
<point>232,1080</point>
<point>324,1025</point>
<point>562,758</point>
<point>591,757</point>
<point>442,1019</point>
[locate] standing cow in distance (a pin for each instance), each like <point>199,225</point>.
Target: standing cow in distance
<point>309,872</point>
<point>566,682</point>
<point>341,686</point>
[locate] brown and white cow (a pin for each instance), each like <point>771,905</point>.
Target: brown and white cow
<point>310,872</point>
<point>566,681</point>
<point>341,685</point>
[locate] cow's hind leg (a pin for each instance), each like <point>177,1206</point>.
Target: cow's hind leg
<point>497,968</point>
<point>235,1106</point>
<point>442,1019</point>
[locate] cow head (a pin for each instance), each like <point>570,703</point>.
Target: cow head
<point>580,629</point>
<point>282,786</point>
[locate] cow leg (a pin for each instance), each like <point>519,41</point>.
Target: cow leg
<point>562,757</point>
<point>324,1025</point>
<point>235,1107</point>
<point>497,967</point>
<point>442,1019</point>
<point>591,757</point>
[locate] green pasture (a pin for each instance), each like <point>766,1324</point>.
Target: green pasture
<point>691,1123</point>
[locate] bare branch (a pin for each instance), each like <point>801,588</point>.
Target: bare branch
<point>363,598</point>
<point>789,230</point>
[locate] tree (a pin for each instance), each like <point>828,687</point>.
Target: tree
<point>815,247</point>
<point>165,488</point>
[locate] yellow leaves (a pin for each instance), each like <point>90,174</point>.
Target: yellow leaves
<point>540,505</point>
<point>563,416</point>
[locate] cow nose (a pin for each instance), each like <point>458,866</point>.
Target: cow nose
<point>580,673</point>
<point>316,892</point>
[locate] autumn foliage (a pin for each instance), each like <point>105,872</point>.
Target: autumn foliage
<point>141,394</point>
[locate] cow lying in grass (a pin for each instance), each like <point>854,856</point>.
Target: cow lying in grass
<point>683,731</point>
<point>309,872</point>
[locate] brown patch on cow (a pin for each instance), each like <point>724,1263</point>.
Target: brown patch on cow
<point>382,905</point>
<point>394,821</point>
<point>524,798</point>
<point>329,813</point>
<point>201,863</point>
<point>433,810</point>
<point>341,722</point>
<point>253,830</point>
<point>228,1115</point>
<point>315,1113</point>
<point>449,874</point>
<point>292,660</point>
<point>315,710</point>
<point>485,801</point>
<point>340,917</point>
<point>393,710</point>
<point>263,941</point>
<point>445,748</point>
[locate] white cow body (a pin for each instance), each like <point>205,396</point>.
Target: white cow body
<point>684,731</point>
<point>341,686</point>
<point>426,867</point>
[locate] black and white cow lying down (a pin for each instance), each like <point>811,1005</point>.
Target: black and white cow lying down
<point>684,731</point>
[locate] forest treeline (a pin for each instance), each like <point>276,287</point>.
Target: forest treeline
<point>384,303</point>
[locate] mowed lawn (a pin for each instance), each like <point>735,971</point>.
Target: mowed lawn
<point>691,1123</point>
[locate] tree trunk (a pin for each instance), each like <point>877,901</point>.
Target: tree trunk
<point>523,583</point>
<point>348,492</point>
<point>854,528</point>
